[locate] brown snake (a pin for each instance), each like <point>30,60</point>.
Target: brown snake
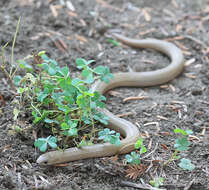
<point>125,128</point>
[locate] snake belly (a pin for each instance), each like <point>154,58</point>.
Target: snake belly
<point>137,79</point>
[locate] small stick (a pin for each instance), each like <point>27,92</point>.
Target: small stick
<point>188,186</point>
<point>139,186</point>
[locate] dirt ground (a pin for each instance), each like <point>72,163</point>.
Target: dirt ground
<point>80,29</point>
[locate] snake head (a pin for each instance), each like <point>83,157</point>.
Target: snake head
<point>42,160</point>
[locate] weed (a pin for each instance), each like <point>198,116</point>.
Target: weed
<point>181,144</point>
<point>134,157</point>
<point>157,182</point>
<point>61,104</point>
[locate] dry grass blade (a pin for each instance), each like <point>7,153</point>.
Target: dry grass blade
<point>2,101</point>
<point>135,171</point>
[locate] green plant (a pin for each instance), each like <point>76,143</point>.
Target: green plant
<point>9,70</point>
<point>110,136</point>
<point>134,157</point>
<point>181,144</point>
<point>63,105</point>
<point>186,164</point>
<point>113,42</point>
<point>42,143</point>
<point>157,182</point>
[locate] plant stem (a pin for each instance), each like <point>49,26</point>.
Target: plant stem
<point>13,46</point>
<point>171,158</point>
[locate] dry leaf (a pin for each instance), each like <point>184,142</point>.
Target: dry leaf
<point>53,10</point>
<point>81,38</point>
<point>189,62</point>
<point>162,118</point>
<point>113,93</point>
<point>164,146</point>
<point>175,4</point>
<point>135,171</point>
<point>124,114</point>
<point>3,103</point>
<point>70,6</point>
<point>71,13</point>
<point>147,16</point>
<point>189,75</point>
<point>135,98</point>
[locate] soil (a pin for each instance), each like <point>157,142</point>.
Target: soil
<point>67,32</point>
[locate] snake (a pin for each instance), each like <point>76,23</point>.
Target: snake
<point>128,130</point>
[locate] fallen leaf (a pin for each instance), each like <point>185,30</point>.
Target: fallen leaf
<point>135,171</point>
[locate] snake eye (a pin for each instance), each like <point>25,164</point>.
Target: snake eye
<point>45,162</point>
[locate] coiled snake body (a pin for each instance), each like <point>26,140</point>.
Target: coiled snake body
<point>125,128</point>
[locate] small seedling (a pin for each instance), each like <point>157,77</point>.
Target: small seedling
<point>41,143</point>
<point>157,182</point>
<point>110,136</point>
<point>186,164</point>
<point>113,42</point>
<point>134,157</point>
<point>181,144</point>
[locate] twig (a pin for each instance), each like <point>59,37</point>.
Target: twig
<point>195,40</point>
<point>151,151</point>
<point>13,46</point>
<point>2,67</point>
<point>187,187</point>
<point>139,186</point>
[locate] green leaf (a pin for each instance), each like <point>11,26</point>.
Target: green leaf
<point>84,143</point>
<point>139,143</point>
<point>52,142</point>
<point>45,66</point>
<point>143,149</point>
<point>77,81</point>
<point>81,63</point>
<point>110,136</point>
<point>41,96</point>
<point>157,182</point>
<point>65,126</point>
<point>181,144</point>
<point>41,143</point>
<point>47,120</point>
<point>89,79</point>
<point>100,70</point>
<point>101,118</point>
<point>86,72</point>
<point>45,57</point>
<point>186,164</point>
<point>113,42</point>
<point>133,158</point>
<point>64,71</point>
<point>90,61</point>
<point>17,80</point>
<point>24,65</point>
<point>72,132</point>
<point>22,90</point>
<point>16,113</point>
<point>52,71</point>
<point>189,131</point>
<point>40,53</point>
<point>181,131</point>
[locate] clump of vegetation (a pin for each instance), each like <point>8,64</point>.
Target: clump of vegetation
<point>157,182</point>
<point>134,157</point>
<point>63,105</point>
<point>182,144</point>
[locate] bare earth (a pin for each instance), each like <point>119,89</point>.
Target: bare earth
<point>81,30</point>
